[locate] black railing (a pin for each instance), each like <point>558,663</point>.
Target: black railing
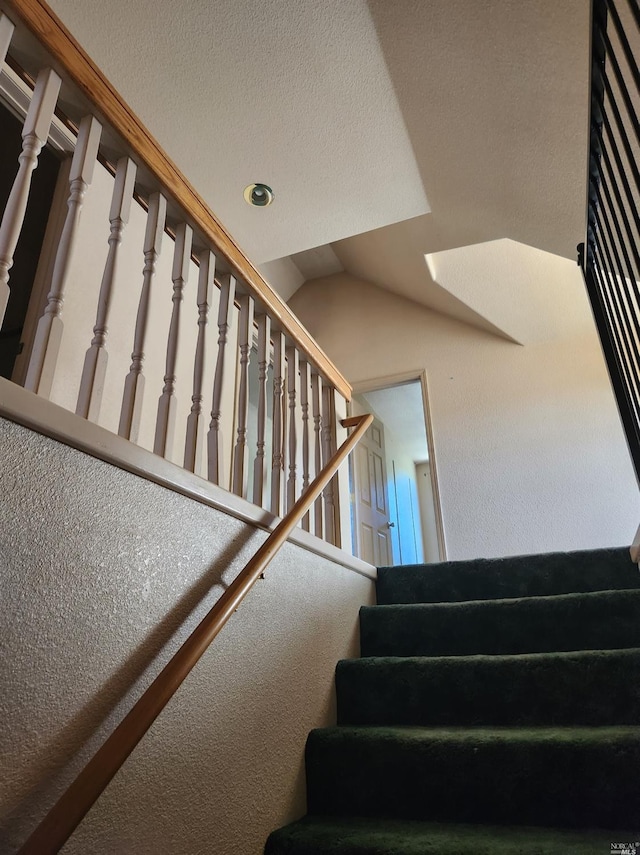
<point>611,260</point>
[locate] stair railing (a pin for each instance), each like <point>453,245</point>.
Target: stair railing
<point>205,316</point>
<point>610,256</point>
<point>61,821</point>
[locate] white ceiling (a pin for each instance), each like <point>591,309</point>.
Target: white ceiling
<point>494,95</point>
<point>292,93</point>
<point>393,130</point>
<point>401,410</point>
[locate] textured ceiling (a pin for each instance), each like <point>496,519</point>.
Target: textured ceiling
<point>401,410</point>
<point>494,97</point>
<point>293,93</point>
<point>392,130</point>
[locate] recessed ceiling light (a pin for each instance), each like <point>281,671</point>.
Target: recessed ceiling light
<point>258,195</point>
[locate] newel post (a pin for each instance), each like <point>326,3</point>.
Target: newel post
<point>342,488</point>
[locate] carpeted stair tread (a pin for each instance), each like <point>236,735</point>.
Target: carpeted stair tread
<point>554,777</point>
<point>525,689</point>
<point>514,576</point>
<point>495,711</point>
<point>585,621</point>
<point>327,835</point>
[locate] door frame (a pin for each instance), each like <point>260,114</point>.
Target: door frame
<point>419,375</point>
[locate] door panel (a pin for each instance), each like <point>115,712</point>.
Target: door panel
<point>384,548</point>
<point>373,534</point>
<point>367,544</point>
<point>379,484</point>
<point>363,474</point>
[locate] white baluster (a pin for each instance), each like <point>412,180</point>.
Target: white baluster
<point>166,422</point>
<point>316,410</point>
<point>214,437</point>
<point>241,452</point>
<point>277,467</point>
<point>305,372</point>
<point>259,466</point>
<point>194,445</point>
<point>6,32</point>
<point>327,452</point>
<point>46,345</point>
<point>131,411</point>
<point>293,381</point>
<point>34,135</point>
<point>95,361</point>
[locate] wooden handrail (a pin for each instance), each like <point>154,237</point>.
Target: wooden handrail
<point>61,821</point>
<point>109,104</point>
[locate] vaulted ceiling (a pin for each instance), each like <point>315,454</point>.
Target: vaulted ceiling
<point>393,132</point>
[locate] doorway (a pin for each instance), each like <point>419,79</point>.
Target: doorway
<point>406,475</point>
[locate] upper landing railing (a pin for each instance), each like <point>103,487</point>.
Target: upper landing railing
<point>610,257</point>
<point>118,326</point>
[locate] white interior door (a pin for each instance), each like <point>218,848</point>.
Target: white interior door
<point>373,532</point>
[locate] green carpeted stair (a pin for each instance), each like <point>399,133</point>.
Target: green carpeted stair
<point>495,711</point>
<point>599,621</point>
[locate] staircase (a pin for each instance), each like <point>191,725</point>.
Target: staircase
<point>495,710</point>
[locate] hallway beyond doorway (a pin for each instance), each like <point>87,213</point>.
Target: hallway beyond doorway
<point>411,487</point>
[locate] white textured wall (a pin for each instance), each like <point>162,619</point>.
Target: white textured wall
<point>103,574</point>
<point>283,276</point>
<point>528,445</point>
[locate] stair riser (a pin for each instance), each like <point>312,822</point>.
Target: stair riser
<point>554,785</point>
<point>358,836</point>
<point>519,576</point>
<point>603,621</point>
<point>605,689</point>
